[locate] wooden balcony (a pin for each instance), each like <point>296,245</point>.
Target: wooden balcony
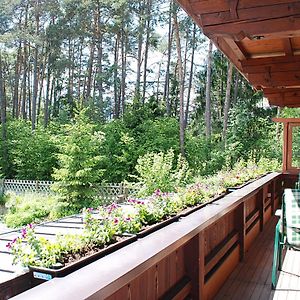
<point>221,251</point>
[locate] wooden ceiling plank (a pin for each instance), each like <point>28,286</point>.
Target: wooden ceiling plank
<point>213,6</point>
<point>275,27</point>
<point>276,79</point>
<point>279,67</point>
<point>270,61</point>
<point>243,15</point>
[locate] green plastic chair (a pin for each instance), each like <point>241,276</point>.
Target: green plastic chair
<point>297,184</point>
<point>287,232</point>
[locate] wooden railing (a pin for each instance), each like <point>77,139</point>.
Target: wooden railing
<point>192,257</point>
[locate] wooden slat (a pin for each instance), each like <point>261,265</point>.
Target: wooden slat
<point>252,218</point>
<point>219,252</point>
<point>251,13</point>
<point>213,6</point>
<point>180,291</point>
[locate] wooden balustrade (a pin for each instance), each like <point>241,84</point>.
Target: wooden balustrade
<point>193,256</point>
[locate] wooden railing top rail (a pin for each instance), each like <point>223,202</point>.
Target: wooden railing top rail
<point>105,276</point>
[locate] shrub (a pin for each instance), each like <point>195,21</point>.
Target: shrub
<point>79,163</point>
<point>156,171</point>
<point>28,208</point>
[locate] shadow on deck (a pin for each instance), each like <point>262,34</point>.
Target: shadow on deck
<point>252,277</point>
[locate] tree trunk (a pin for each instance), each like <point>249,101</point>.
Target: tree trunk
<point>167,82</point>
<point>140,46</point>
<point>191,77</point>
<point>35,69</point>
<point>181,84</point>
<point>207,92</point>
<point>3,118</point>
<point>46,107</point>
<point>99,61</point>
<point>116,79</point>
<point>15,112</point>
<point>148,30</point>
<point>227,101</point>
<point>236,86</point>
<point>124,49</point>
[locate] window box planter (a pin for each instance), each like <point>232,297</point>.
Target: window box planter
<point>44,274</point>
<point>189,210</point>
<point>234,188</point>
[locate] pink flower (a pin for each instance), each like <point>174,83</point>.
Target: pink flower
<point>157,192</point>
<point>24,232</point>
<point>111,207</point>
<point>116,220</point>
<point>9,245</point>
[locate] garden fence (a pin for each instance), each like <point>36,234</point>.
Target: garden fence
<point>106,192</point>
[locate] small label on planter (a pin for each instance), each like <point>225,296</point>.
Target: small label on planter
<point>42,276</point>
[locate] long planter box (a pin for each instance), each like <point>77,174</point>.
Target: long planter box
<point>41,273</point>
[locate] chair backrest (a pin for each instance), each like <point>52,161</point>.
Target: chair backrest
<point>291,216</point>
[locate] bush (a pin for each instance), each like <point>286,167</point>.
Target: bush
<point>79,163</point>
<point>156,171</point>
<point>30,208</point>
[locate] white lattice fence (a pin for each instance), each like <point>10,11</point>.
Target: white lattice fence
<point>115,192</point>
<point>106,192</point>
<point>22,186</point>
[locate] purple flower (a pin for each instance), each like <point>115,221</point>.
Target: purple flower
<point>128,219</point>
<point>157,192</point>
<point>24,232</point>
<point>136,201</point>
<point>116,220</point>
<point>30,226</point>
<point>112,207</point>
<point>9,245</point>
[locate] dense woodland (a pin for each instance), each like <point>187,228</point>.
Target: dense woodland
<point>101,83</point>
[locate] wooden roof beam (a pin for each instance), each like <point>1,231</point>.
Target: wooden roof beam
<point>286,97</point>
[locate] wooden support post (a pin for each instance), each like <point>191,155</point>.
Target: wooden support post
<point>191,257</point>
<point>273,191</point>
<point>240,224</point>
<point>202,294</point>
<point>260,205</point>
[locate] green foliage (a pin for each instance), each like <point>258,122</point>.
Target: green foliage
<point>31,154</point>
<point>157,171</point>
<point>29,208</point>
<point>79,162</point>
<point>119,151</point>
<point>251,135</point>
<point>205,156</point>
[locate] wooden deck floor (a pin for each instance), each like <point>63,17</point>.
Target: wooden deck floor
<point>252,277</point>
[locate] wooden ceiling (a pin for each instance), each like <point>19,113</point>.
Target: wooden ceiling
<point>261,38</point>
